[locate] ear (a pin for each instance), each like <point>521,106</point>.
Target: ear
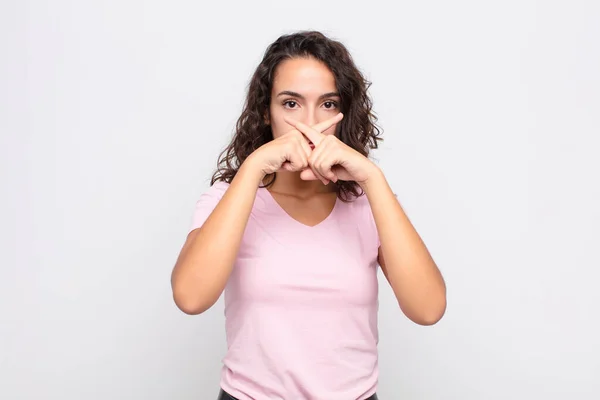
<point>267,119</point>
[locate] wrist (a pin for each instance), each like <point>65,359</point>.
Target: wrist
<point>374,177</point>
<point>251,169</point>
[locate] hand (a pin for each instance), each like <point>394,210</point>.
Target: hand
<point>332,159</point>
<point>289,152</point>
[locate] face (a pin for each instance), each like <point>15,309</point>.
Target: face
<point>303,90</point>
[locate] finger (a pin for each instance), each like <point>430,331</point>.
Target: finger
<point>314,133</point>
<point>286,166</point>
<point>308,151</point>
<point>320,176</point>
<point>323,126</point>
<point>299,160</point>
<point>324,169</point>
<point>322,161</point>
<point>314,136</point>
<point>305,146</point>
<point>329,174</point>
<point>308,175</point>
<point>296,160</point>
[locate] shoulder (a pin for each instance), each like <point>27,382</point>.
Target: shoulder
<point>359,204</point>
<point>214,191</point>
<point>205,204</point>
<point>359,209</point>
<point>219,186</point>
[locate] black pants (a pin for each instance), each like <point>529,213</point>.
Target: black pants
<point>226,396</point>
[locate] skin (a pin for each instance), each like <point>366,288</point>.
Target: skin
<point>307,156</point>
<point>305,90</point>
<point>407,264</point>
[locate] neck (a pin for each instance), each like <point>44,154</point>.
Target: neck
<point>291,183</point>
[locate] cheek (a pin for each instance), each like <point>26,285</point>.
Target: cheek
<point>331,131</point>
<point>278,126</point>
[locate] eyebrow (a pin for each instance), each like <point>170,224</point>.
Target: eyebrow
<point>298,95</point>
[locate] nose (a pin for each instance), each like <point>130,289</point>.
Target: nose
<point>310,118</point>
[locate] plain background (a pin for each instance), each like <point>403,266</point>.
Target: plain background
<point>112,117</point>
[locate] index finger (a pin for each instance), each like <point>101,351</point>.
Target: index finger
<point>314,133</point>
<point>323,126</point>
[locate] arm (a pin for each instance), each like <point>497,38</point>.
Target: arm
<point>405,261</point>
<point>209,252</point>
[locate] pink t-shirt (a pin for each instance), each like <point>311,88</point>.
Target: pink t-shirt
<point>301,303</point>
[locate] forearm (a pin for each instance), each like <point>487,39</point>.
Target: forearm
<point>415,279</point>
<point>207,258</point>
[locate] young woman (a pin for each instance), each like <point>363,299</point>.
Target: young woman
<point>293,227</point>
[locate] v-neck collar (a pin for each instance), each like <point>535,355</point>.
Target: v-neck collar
<point>294,221</point>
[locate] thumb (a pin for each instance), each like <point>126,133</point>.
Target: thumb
<point>308,175</point>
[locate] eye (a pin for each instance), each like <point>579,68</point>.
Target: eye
<point>330,105</point>
<point>290,103</point>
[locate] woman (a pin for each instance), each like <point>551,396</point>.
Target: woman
<point>293,228</point>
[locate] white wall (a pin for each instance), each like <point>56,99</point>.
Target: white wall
<point>113,114</point>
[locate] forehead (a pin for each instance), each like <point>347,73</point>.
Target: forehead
<point>303,75</point>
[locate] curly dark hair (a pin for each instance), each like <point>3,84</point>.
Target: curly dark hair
<point>358,128</point>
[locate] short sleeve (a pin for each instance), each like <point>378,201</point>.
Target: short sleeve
<point>206,204</point>
<point>372,227</point>
<point>366,221</point>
